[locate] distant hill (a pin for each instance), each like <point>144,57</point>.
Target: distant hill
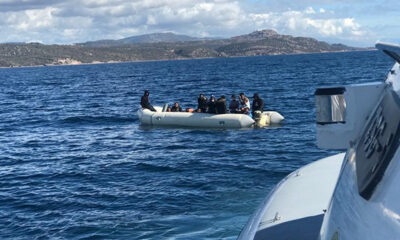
<point>162,46</point>
<point>269,42</point>
<point>146,38</point>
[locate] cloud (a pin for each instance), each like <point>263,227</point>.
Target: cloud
<point>311,23</point>
<point>76,21</point>
<point>32,19</point>
<point>21,5</point>
<point>309,10</point>
<point>113,19</point>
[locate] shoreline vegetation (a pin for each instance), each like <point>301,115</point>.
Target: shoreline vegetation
<point>162,47</point>
<point>77,63</point>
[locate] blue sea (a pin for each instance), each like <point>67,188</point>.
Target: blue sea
<point>75,163</point>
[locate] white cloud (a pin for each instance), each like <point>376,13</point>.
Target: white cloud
<point>77,21</point>
<point>310,23</point>
<point>309,10</point>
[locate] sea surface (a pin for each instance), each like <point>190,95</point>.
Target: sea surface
<point>75,163</point>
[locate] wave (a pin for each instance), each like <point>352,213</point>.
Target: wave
<point>157,168</point>
<point>98,120</point>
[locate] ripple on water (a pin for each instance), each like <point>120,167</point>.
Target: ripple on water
<point>76,164</point>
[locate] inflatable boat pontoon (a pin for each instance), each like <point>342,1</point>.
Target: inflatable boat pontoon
<point>203,120</point>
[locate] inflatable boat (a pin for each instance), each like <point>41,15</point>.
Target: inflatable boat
<point>205,120</point>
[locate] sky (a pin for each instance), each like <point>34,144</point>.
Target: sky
<point>352,22</point>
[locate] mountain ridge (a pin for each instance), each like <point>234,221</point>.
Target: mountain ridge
<point>169,46</point>
<point>144,38</point>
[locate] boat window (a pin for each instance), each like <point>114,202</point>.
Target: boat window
<point>330,105</point>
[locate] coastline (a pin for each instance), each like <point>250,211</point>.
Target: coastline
<point>78,63</point>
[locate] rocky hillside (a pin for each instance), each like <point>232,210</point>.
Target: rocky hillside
<point>146,38</point>
<point>266,42</point>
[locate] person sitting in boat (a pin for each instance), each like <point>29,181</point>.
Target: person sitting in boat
<point>221,105</point>
<point>144,101</point>
<point>258,104</point>
<point>212,105</point>
<point>234,105</point>
<point>176,108</point>
<point>202,103</point>
<point>244,104</point>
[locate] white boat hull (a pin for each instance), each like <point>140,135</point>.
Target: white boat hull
<point>295,207</point>
<point>186,119</point>
<point>204,120</point>
<point>269,118</point>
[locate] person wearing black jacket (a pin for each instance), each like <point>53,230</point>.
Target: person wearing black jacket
<point>144,101</point>
<point>202,103</point>
<point>258,103</point>
<point>176,108</point>
<point>221,105</point>
<point>234,105</point>
<point>212,105</point>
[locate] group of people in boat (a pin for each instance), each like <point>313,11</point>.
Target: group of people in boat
<point>213,105</point>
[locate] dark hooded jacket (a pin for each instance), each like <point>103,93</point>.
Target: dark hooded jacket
<point>258,104</point>
<point>202,104</point>
<point>234,106</point>
<point>176,109</point>
<point>212,107</point>
<point>221,105</point>
<point>144,102</point>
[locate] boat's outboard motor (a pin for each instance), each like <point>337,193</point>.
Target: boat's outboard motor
<point>257,115</point>
<point>261,119</point>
